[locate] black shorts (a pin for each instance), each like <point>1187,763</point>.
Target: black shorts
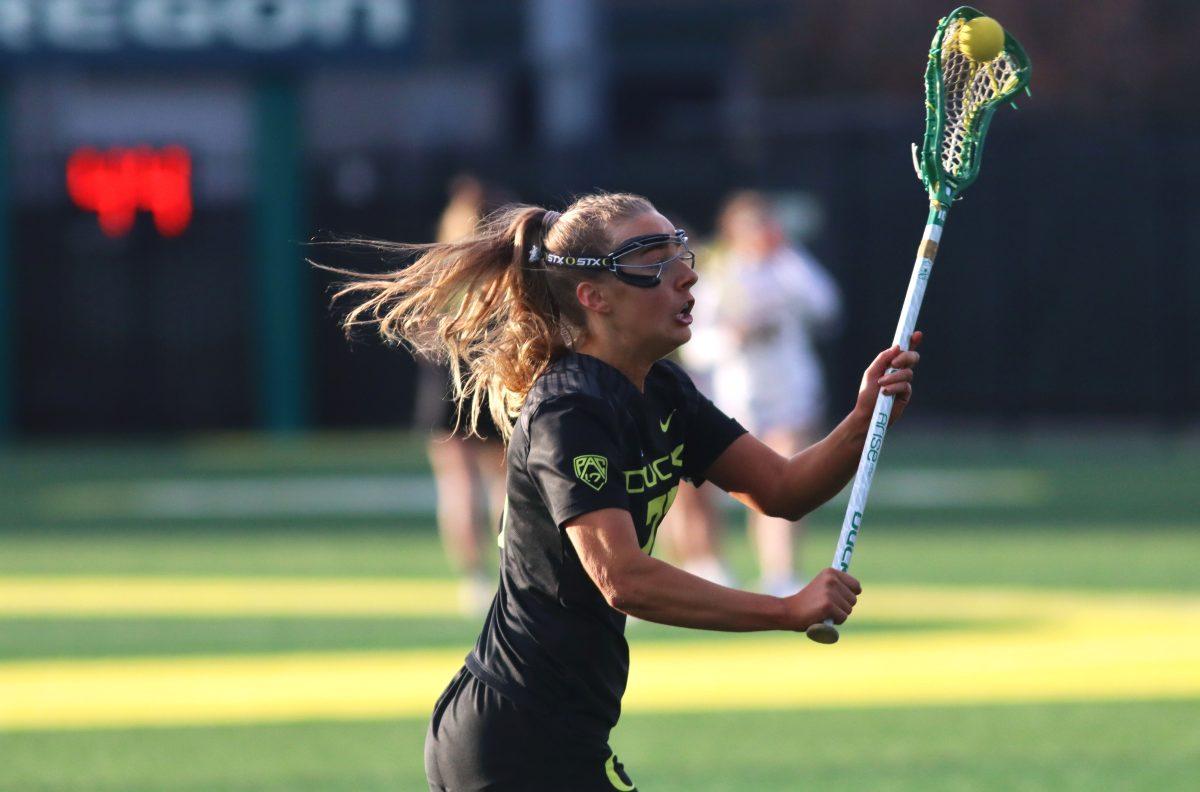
<point>479,739</point>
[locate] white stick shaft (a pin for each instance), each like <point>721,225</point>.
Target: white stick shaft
<point>873,447</point>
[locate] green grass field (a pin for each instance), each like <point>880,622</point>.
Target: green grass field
<point>1038,558</point>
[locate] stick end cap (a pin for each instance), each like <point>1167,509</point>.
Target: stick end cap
<point>822,633</point>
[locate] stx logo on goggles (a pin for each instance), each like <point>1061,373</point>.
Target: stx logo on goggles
<point>578,261</point>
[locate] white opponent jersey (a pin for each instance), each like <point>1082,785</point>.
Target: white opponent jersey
<point>753,338</point>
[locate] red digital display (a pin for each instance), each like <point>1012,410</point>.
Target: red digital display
<point>117,183</point>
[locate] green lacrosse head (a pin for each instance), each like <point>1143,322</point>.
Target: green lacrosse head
<point>961,95</point>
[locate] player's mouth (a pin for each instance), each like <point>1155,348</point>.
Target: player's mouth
<point>685,316</point>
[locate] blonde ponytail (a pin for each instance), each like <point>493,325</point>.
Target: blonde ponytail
<point>479,306</point>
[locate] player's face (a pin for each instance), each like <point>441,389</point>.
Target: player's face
<point>658,318</point>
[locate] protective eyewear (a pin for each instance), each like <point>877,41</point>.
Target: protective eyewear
<point>643,275</point>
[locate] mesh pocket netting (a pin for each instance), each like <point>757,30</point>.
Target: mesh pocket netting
<point>969,88</point>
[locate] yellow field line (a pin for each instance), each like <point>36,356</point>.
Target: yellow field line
<point>199,596</point>
<point>222,689</point>
<point>1050,647</point>
<point>1077,660</point>
<point>100,597</point>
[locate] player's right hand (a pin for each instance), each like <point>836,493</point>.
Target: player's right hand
<point>891,372</point>
<point>832,594</point>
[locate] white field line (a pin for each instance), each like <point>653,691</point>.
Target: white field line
<point>298,496</point>
<point>1051,647</point>
<point>415,495</point>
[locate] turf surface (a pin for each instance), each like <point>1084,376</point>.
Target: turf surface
<point>1112,516</point>
<point>1085,747</point>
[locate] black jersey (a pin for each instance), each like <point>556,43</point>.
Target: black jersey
<point>586,440</point>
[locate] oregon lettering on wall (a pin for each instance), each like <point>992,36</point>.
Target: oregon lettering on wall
<point>239,30</point>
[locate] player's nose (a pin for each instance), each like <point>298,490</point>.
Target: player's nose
<point>686,277</point>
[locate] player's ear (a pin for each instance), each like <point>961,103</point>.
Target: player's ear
<point>592,296</point>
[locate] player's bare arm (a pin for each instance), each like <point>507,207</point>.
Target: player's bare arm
<point>792,487</point>
<point>643,586</point>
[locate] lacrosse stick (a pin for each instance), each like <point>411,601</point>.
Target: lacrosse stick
<point>973,67</point>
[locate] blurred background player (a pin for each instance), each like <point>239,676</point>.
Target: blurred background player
<point>468,469</point>
<point>760,308</point>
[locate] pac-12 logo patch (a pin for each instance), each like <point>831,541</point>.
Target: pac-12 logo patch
<point>592,469</point>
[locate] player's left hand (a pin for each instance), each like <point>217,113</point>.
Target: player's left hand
<point>896,382</point>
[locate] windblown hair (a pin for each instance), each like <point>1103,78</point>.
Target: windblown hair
<point>479,305</point>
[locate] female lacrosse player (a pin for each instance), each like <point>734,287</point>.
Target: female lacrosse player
<point>564,320</point>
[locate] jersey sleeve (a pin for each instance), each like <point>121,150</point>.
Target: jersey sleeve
<point>707,431</point>
<point>574,457</point>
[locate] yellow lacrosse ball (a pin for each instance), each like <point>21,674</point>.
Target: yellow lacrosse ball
<point>981,39</point>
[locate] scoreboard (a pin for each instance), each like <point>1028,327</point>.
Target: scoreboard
<point>117,183</point>
<point>225,30</point>
<point>167,160</point>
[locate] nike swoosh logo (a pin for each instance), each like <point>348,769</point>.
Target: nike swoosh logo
<point>665,425</point>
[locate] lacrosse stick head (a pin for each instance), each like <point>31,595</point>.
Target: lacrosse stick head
<point>961,94</point>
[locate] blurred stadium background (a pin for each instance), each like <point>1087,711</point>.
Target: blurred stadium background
<point>218,562</point>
